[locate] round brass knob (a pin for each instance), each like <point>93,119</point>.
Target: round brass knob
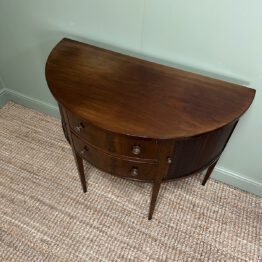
<point>79,128</point>
<point>169,160</point>
<point>134,172</point>
<point>136,150</point>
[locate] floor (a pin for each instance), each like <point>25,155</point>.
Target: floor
<point>44,216</point>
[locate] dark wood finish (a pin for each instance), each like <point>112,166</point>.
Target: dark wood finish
<point>155,190</point>
<point>209,146</point>
<point>166,147</point>
<point>78,159</point>
<point>209,172</point>
<point>211,167</point>
<point>80,168</point>
<point>130,96</point>
<point>121,167</point>
<point>111,142</point>
<point>140,120</point>
<point>64,124</point>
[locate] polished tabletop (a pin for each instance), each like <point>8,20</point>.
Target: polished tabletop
<point>132,96</point>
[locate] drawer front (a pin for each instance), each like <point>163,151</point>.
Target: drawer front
<point>113,143</point>
<point>113,165</point>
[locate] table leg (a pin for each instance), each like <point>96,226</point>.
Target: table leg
<point>80,168</point>
<point>155,190</point>
<point>208,173</point>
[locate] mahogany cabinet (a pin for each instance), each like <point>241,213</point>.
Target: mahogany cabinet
<point>140,120</point>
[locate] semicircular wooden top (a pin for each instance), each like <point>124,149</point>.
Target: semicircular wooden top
<point>131,96</point>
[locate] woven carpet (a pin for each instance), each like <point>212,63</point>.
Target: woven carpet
<point>44,216</point>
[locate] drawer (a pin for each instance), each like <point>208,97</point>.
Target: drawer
<point>116,166</point>
<point>113,143</point>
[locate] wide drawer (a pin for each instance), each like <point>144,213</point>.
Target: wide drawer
<point>119,167</point>
<point>111,142</point>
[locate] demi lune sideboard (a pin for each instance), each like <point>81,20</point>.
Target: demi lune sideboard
<point>140,120</point>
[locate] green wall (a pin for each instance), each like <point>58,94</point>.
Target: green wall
<point>217,38</point>
<point>3,98</point>
<point>1,85</point>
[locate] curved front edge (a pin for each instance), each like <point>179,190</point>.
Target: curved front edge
<point>196,154</point>
<point>64,124</point>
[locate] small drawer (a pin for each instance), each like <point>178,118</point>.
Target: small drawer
<point>113,143</point>
<point>116,166</point>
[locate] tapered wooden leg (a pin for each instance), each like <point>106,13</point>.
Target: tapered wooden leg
<point>155,190</point>
<point>80,168</point>
<point>78,159</point>
<point>208,173</point>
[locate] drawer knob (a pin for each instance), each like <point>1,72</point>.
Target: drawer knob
<point>169,160</point>
<point>83,151</point>
<point>134,172</point>
<point>79,128</point>
<point>136,150</point>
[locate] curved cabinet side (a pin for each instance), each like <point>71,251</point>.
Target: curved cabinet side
<point>197,153</point>
<point>64,123</point>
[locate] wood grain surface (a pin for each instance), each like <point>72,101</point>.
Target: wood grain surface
<point>131,96</point>
<point>141,120</point>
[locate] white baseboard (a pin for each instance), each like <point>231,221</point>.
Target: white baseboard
<point>237,180</point>
<point>220,173</point>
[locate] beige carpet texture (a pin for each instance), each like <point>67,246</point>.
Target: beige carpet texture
<point>44,216</point>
